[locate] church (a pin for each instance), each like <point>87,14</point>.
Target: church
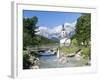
<point>64,37</point>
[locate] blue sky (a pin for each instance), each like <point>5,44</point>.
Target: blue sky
<point>51,19</point>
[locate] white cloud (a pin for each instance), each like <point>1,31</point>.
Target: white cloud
<point>45,31</point>
<point>68,26</point>
<point>74,23</point>
<point>56,29</point>
<point>43,28</point>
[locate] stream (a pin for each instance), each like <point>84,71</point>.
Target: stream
<point>47,60</point>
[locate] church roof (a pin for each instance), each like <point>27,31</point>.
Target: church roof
<point>63,29</point>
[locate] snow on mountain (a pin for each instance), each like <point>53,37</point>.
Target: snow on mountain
<point>43,31</point>
<point>55,32</point>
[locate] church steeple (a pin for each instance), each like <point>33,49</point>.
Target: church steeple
<point>63,32</point>
<point>64,40</point>
<point>63,29</point>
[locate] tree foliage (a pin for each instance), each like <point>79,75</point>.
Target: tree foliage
<point>86,52</point>
<point>29,30</point>
<point>29,33</point>
<point>26,61</point>
<point>83,29</point>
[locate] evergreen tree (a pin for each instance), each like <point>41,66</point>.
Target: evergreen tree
<point>83,29</point>
<point>29,30</point>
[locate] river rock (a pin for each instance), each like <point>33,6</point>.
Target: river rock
<point>35,67</point>
<point>62,60</point>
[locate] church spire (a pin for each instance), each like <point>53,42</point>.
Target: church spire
<point>63,32</point>
<point>63,29</point>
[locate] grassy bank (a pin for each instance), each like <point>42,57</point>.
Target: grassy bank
<point>86,51</point>
<point>68,50</point>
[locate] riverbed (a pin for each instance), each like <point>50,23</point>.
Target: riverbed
<point>51,61</point>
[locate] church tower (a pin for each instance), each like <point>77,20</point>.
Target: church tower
<point>63,32</point>
<point>64,40</point>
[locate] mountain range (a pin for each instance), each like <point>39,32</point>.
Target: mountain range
<point>54,33</point>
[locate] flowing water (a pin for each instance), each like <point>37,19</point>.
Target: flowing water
<point>51,61</point>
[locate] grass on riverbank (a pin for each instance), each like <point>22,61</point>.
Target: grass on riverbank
<point>68,50</point>
<point>86,51</point>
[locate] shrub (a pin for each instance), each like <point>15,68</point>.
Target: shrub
<point>86,53</point>
<point>74,42</point>
<point>26,61</point>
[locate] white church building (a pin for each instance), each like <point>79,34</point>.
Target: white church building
<point>64,37</point>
